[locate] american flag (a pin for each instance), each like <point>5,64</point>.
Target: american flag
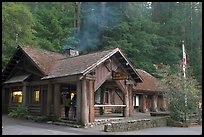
<point>184,56</point>
<point>184,62</point>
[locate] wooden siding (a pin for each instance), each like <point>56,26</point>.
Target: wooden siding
<point>35,109</point>
<point>104,72</point>
<point>32,109</point>
<point>107,110</point>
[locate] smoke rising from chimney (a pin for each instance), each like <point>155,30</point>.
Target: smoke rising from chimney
<point>94,17</point>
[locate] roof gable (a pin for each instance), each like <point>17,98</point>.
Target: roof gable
<point>43,59</point>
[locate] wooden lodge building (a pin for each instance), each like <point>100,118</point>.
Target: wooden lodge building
<point>40,79</point>
<point>149,95</point>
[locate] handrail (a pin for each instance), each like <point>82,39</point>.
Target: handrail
<point>109,105</point>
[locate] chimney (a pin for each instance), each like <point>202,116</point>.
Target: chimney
<point>71,52</point>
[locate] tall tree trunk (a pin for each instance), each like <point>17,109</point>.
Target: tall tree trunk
<point>103,13</point>
<point>77,12</point>
<point>155,11</point>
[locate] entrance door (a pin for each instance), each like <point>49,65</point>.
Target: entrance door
<point>70,90</point>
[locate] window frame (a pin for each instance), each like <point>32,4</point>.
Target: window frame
<point>34,89</point>
<point>16,89</point>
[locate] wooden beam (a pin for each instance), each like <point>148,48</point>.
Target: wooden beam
<point>79,97</point>
<point>57,99</point>
<point>65,79</point>
<point>126,110</point>
<point>49,97</point>
<point>91,101</point>
<point>24,95</point>
<point>42,82</point>
<point>84,108</point>
<point>102,81</point>
<point>130,100</point>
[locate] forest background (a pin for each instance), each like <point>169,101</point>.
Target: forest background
<point>149,33</point>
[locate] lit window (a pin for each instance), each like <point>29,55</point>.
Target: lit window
<point>36,96</point>
<point>17,96</point>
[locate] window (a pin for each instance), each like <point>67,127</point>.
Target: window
<point>17,96</point>
<point>136,100</point>
<point>36,96</point>
<point>97,96</point>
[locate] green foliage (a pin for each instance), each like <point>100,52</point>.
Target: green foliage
<point>17,22</point>
<point>174,123</point>
<point>101,110</point>
<point>139,42</point>
<point>21,111</point>
<point>148,33</point>
<point>178,91</point>
<point>53,24</point>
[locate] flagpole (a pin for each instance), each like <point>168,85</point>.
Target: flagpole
<point>184,70</point>
<point>184,75</point>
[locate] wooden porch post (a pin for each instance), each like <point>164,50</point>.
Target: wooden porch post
<point>164,103</point>
<point>130,100</point>
<point>143,104</point>
<point>91,101</point>
<point>10,97</point>
<point>57,100</point>
<point>24,95</point>
<point>84,106</point>
<point>49,96</point>
<point>155,103</point>
<point>79,98</point>
<point>126,102</point>
<point>3,98</point>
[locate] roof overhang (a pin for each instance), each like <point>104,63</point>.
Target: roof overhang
<point>16,79</point>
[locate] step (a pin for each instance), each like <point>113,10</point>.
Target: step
<point>67,121</point>
<point>67,124</point>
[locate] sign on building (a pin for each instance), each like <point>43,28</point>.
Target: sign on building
<point>119,75</point>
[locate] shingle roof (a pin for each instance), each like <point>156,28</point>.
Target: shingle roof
<point>43,59</point>
<point>76,65</point>
<point>54,65</point>
<point>150,83</point>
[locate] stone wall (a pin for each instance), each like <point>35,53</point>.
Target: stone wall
<point>135,124</point>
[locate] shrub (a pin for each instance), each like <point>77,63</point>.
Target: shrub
<point>21,111</point>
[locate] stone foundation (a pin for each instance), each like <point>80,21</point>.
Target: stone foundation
<point>135,124</point>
